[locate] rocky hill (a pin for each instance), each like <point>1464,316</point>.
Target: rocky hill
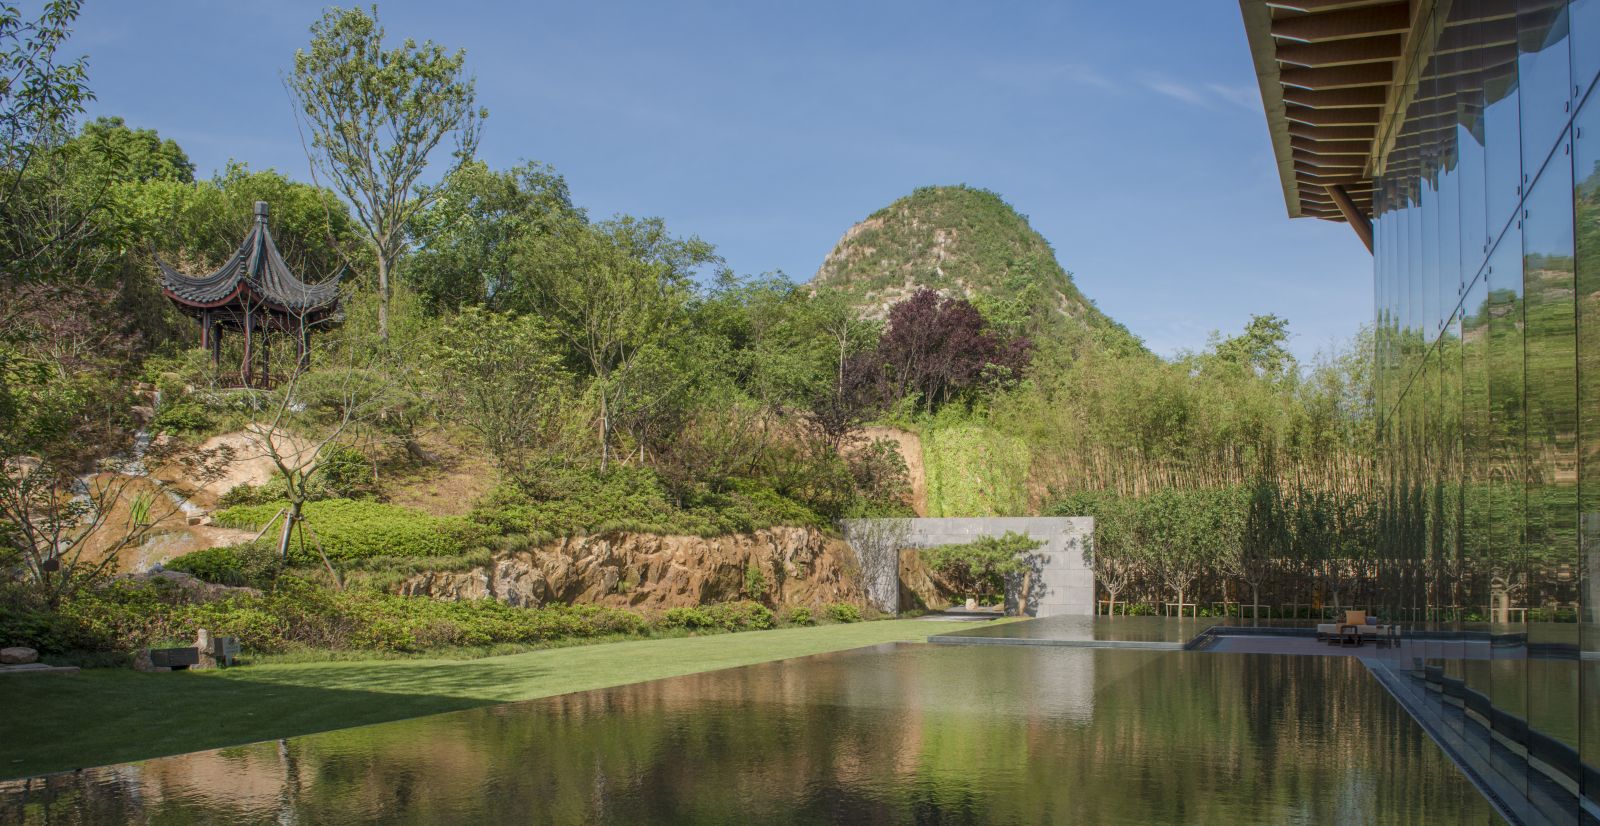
<point>963,241</point>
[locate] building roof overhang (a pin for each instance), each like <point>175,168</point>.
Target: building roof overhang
<point>1334,86</point>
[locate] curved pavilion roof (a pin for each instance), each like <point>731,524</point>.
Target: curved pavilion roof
<point>256,267</point>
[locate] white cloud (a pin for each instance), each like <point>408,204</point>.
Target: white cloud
<point>1248,97</point>
<point>1178,91</point>
<point>1204,94</point>
<point>1039,77</point>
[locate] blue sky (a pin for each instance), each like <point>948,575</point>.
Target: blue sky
<point>1130,134</point>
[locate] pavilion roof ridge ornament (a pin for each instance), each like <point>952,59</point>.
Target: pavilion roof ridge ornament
<point>257,267</point>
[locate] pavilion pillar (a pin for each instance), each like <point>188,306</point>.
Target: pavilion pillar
<point>247,365</point>
<point>205,329</point>
<point>266,352</point>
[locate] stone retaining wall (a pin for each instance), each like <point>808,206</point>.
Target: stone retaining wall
<point>1064,583</point>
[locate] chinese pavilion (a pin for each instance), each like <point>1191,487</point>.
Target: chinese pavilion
<point>257,294</point>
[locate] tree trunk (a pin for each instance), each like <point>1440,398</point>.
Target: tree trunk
<point>290,519</point>
<point>383,296</point>
<point>605,432</point>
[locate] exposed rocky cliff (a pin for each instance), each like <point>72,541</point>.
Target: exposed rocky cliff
<point>800,566</point>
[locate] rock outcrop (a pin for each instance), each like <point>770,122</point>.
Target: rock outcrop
<point>18,655</point>
<point>799,566</point>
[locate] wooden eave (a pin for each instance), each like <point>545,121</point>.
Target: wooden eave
<point>1335,81</point>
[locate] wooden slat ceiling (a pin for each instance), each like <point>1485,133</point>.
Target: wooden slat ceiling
<point>1330,73</point>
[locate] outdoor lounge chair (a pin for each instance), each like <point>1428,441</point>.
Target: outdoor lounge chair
<point>1366,626</point>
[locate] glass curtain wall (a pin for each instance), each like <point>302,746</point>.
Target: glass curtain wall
<point>1487,287</point>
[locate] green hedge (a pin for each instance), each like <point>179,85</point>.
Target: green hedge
<point>359,528</point>
<point>300,615</point>
<point>728,616</point>
<point>550,502</point>
<point>252,564</point>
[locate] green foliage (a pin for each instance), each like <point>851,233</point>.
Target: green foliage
<point>376,115</point>
<point>182,417</point>
<point>48,631</point>
<point>200,224</point>
<point>799,615</point>
<point>979,568</point>
<point>144,155</point>
<point>343,472</point>
<point>248,494</point>
<point>617,293</point>
<point>298,615</point>
<point>353,529</point>
<point>470,231</point>
<point>727,616</point>
<point>973,470</point>
<point>844,612</point>
<point>755,582</point>
<point>554,501</point>
<point>501,377</point>
<point>252,564</point>
<point>1259,349</point>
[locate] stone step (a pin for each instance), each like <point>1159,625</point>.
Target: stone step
<point>38,668</point>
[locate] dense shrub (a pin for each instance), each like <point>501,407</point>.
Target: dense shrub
<point>727,616</point>
<point>254,564</point>
<point>183,416</point>
<point>357,529</point>
<point>550,502</point>
<point>844,612</point>
<point>49,632</point>
<point>248,494</point>
<point>755,582</point>
<point>299,614</point>
<point>343,472</point>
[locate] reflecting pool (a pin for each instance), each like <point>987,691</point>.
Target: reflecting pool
<point>893,734</point>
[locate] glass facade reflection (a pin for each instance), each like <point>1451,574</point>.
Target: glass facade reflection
<point>1486,227</point>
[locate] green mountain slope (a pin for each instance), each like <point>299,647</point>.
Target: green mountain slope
<point>964,241</point>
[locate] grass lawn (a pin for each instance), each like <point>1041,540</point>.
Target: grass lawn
<point>103,716</point>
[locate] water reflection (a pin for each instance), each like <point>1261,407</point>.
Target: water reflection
<point>946,734</point>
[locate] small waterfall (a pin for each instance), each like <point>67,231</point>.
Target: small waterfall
<point>132,463</point>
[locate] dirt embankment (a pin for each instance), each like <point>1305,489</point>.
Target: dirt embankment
<point>910,447</point>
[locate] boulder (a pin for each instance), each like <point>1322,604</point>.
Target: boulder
<point>18,655</point>
<point>142,662</point>
<point>196,589</point>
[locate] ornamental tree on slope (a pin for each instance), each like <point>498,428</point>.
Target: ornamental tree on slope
<point>938,347</point>
<point>376,117</point>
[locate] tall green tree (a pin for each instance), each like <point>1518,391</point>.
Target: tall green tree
<point>142,154</point>
<point>464,240</point>
<point>376,117</point>
<point>501,377</point>
<point>617,293</point>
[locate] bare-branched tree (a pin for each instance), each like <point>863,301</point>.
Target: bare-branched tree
<point>878,543</point>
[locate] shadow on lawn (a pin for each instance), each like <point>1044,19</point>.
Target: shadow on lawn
<point>61,723</point>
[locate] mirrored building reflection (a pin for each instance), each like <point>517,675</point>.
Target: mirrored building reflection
<point>1461,142</point>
